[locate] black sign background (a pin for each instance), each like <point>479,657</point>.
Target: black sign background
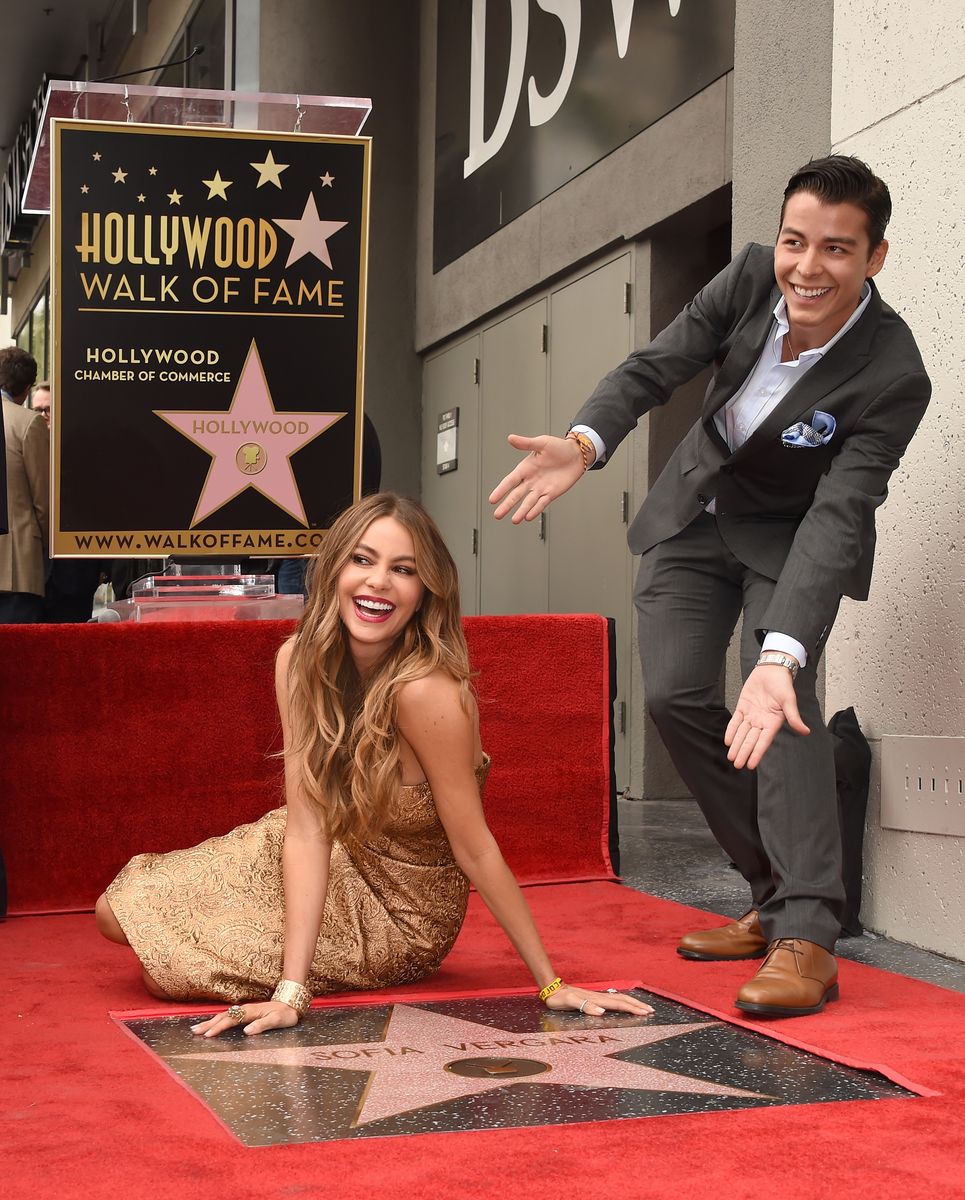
<point>668,60</point>
<point>123,474</point>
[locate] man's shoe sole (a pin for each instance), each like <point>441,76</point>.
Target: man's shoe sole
<point>696,956</point>
<point>777,1010</point>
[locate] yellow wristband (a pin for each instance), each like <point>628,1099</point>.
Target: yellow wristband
<point>551,988</point>
<point>586,448</point>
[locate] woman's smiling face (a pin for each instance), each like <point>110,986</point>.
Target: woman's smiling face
<point>379,590</point>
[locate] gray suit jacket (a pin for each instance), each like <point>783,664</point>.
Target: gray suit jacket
<point>28,486</point>
<point>802,517</point>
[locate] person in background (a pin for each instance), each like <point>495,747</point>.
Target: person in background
<point>70,583</point>
<point>40,400</point>
<point>27,457</point>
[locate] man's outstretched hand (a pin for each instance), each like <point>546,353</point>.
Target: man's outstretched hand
<point>551,466</point>
<point>766,701</point>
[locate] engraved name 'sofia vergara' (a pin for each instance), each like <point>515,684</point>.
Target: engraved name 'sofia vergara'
<point>148,240</point>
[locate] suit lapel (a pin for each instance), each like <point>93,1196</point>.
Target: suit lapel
<point>740,361</point>
<point>844,359</point>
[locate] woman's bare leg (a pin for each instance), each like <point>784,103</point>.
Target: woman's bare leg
<point>154,988</point>
<point>107,923</point>
<point>110,927</point>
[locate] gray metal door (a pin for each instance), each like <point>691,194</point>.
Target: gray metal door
<point>450,381</point>
<point>512,559</point>
<point>589,563</point>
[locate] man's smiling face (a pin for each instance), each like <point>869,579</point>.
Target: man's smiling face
<point>822,258</point>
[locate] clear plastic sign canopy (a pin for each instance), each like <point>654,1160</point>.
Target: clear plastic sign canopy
<point>270,112</point>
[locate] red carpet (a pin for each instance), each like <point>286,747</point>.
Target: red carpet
<point>90,1114</point>
<point>117,740</point>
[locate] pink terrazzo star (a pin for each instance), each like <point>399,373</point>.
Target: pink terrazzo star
<point>251,444</point>
<point>412,1066</point>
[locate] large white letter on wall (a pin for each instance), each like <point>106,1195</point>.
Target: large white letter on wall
<point>481,148</point>
<point>542,108</point>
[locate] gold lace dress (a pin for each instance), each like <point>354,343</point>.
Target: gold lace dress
<point>208,922</point>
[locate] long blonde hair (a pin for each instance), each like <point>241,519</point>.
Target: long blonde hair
<point>343,729</point>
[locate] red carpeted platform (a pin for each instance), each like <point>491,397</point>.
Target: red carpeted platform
<point>118,739</point>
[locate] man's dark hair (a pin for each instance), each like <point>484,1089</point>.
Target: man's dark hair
<point>844,179</point>
<point>18,370</point>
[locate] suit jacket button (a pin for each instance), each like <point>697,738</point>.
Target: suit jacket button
<point>702,499</point>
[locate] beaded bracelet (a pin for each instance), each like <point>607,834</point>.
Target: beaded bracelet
<point>586,447</point>
<point>551,988</point>
<point>295,995</point>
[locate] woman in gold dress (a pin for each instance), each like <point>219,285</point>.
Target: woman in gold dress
<point>361,880</point>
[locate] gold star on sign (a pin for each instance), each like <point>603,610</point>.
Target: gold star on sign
<point>120,176</point>
<point>217,186</point>
<point>96,156</point>
<point>174,197</point>
<point>84,188</point>
<point>152,170</point>
<point>327,180</point>
<point>269,171</point>
<point>141,197</point>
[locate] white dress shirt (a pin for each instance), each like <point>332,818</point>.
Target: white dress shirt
<point>763,389</point>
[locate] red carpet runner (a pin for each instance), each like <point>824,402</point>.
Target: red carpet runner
<point>90,1114</point>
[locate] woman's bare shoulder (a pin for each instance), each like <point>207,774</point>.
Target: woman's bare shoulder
<point>283,660</point>
<point>434,696</point>
<point>435,689</point>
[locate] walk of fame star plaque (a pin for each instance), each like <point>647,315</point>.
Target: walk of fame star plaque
<point>394,1069</point>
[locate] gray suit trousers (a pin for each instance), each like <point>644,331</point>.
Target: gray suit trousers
<point>779,823</point>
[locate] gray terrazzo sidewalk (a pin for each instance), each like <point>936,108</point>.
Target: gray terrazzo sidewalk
<point>667,850</point>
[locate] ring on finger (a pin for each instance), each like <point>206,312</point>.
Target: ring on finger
<point>584,1004</point>
<point>237,1013</point>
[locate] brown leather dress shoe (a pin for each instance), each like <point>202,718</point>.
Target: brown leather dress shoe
<point>796,979</point>
<point>739,939</point>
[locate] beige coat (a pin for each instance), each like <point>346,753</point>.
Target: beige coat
<point>28,494</point>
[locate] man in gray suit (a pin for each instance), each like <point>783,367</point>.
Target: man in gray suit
<point>767,509</point>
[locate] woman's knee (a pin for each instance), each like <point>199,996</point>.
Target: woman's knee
<point>154,987</point>
<point>107,924</point>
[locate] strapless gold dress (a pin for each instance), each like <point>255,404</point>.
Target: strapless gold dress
<point>208,922</point>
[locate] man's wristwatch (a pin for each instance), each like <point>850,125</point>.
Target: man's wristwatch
<point>778,659</point>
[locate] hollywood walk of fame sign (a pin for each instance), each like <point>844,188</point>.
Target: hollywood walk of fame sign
<point>209,304</point>
<point>389,1070</point>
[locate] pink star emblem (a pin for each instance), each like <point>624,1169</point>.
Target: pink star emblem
<point>419,1061</point>
<point>309,234</point>
<point>251,444</point>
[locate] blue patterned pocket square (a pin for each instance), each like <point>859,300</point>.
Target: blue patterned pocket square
<point>805,437</point>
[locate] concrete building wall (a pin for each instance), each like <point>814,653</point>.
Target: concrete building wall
<point>898,98</point>
<point>782,105</point>
<point>368,48</point>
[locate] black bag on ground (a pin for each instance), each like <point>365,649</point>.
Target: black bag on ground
<point>852,769</point>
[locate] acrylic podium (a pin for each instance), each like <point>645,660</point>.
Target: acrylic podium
<point>224,592</point>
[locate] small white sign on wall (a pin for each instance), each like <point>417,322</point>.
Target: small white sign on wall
<point>447,442</point>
